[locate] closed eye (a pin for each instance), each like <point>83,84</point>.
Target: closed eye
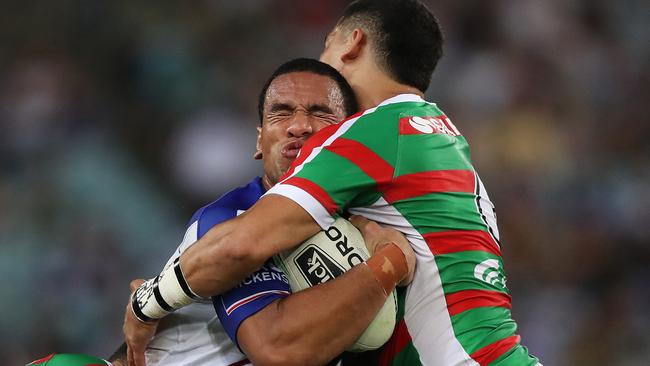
<point>320,110</point>
<point>282,109</point>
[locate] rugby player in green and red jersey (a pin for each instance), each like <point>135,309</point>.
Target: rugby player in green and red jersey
<point>401,163</point>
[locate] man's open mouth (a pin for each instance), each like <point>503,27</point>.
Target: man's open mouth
<point>290,150</point>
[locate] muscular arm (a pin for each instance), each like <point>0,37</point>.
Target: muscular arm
<point>218,261</point>
<point>233,249</point>
<point>236,248</point>
<point>315,325</point>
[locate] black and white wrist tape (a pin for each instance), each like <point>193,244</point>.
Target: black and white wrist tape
<point>161,295</point>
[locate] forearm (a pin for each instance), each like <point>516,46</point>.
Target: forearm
<point>236,248</point>
<point>223,257</point>
<point>314,325</point>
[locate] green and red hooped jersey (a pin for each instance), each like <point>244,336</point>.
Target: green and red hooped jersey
<point>405,165</point>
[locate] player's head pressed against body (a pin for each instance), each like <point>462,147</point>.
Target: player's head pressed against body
<point>299,99</point>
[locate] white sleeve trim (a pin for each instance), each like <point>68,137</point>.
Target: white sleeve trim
<point>306,201</point>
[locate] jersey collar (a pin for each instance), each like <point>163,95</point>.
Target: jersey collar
<point>401,98</point>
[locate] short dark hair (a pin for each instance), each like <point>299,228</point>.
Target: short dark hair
<point>316,67</point>
<point>406,37</point>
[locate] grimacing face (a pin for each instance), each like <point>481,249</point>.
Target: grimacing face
<point>297,105</point>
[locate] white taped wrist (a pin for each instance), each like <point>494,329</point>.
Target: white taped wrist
<point>161,295</point>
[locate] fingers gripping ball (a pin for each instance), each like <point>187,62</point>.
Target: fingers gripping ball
<point>327,255</point>
<point>70,359</point>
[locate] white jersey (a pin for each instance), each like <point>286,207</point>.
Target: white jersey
<point>192,335</point>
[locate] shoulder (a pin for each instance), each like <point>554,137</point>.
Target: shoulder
<point>227,206</point>
<point>403,118</point>
<point>379,124</point>
<point>390,114</point>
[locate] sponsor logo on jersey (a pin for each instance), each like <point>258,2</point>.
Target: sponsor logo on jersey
<point>414,125</point>
<point>316,266</point>
<point>268,272</point>
<point>489,271</point>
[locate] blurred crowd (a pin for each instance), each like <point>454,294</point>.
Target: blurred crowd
<point>118,119</point>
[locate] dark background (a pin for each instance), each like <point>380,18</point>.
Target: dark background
<point>119,118</point>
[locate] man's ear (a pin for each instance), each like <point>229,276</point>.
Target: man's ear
<point>258,145</point>
<point>354,45</point>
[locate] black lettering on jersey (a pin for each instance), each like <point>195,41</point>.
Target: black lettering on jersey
<point>267,272</point>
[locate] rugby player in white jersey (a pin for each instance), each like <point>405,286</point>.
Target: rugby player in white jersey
<point>259,315</point>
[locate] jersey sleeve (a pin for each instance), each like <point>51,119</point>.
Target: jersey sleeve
<point>344,166</point>
<point>202,220</point>
<point>253,294</point>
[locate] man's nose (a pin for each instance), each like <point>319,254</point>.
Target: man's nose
<point>300,125</point>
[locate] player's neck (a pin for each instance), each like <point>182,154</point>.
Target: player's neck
<point>266,182</point>
<point>369,95</point>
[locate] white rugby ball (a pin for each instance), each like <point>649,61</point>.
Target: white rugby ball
<point>327,255</point>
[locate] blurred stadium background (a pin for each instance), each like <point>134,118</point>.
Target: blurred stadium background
<point>119,118</point>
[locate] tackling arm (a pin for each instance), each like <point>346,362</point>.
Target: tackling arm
<point>214,264</point>
<point>232,250</point>
<point>315,325</point>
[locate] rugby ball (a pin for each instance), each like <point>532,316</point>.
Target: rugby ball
<point>327,255</point>
<point>69,359</point>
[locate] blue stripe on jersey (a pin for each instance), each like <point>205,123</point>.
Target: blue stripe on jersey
<point>253,294</point>
<point>259,289</point>
<point>226,207</point>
